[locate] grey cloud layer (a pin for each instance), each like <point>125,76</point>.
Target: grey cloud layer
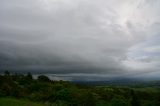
<point>74,36</point>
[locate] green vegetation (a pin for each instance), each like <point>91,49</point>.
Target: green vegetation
<point>23,90</point>
<point>16,102</point>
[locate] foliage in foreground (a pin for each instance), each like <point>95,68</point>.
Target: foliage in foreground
<point>61,93</point>
<point>16,102</point>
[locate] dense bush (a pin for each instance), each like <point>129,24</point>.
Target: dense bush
<point>64,93</point>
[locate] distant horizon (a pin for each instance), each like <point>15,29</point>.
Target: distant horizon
<point>84,77</point>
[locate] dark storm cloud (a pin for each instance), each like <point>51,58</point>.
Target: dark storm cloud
<point>75,36</point>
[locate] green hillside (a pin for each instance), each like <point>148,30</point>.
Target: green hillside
<point>27,91</point>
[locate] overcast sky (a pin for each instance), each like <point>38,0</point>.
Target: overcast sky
<point>93,39</point>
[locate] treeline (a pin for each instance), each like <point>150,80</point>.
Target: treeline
<point>63,93</point>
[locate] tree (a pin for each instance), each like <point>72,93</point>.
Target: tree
<point>29,76</point>
<point>134,101</point>
<point>6,73</point>
<point>43,78</point>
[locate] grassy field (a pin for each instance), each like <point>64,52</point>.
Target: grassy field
<point>16,102</point>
